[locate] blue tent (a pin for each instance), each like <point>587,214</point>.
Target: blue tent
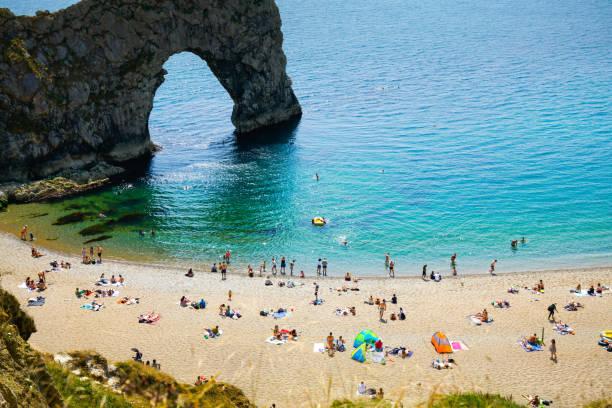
<point>366,336</point>
<point>360,353</point>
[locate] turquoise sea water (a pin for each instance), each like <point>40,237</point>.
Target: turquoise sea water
<point>491,121</point>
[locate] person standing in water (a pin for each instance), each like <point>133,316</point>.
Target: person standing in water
<point>387,259</point>
<point>273,266</point>
<point>317,176</point>
<point>453,257</point>
<point>291,265</point>
<point>283,264</point>
<point>99,254</point>
<point>319,267</point>
<point>24,232</point>
<point>392,269</point>
<point>324,264</point>
<point>493,267</point>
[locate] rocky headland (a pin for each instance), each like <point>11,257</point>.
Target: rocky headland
<point>77,86</point>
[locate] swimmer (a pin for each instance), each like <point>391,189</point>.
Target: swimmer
<point>514,244</point>
<point>317,176</point>
<point>344,243</point>
<point>523,240</point>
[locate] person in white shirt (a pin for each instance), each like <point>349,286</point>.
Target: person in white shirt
<point>361,389</point>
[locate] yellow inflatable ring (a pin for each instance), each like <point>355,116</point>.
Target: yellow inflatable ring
<point>318,221</point>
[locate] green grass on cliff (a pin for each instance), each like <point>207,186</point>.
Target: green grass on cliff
<point>471,400</point>
<point>79,393</point>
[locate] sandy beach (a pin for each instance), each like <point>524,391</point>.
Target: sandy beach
<point>291,374</point>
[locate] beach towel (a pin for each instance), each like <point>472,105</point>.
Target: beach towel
<point>459,346</point>
<point>280,315</point>
<point>318,348</point>
<point>582,293</point>
<point>476,321</point>
<point>535,347</point>
<point>89,306</point>
<point>274,340</point>
<point>562,330</point>
<point>317,302</point>
<point>38,301</point>
<point>375,357</point>
<point>24,286</point>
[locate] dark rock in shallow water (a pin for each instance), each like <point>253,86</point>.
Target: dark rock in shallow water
<point>78,85</point>
<point>105,226</point>
<point>132,217</point>
<point>71,218</point>
<point>97,239</point>
<point>37,215</point>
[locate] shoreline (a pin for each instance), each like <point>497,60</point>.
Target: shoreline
<point>241,356</point>
<point>240,268</point>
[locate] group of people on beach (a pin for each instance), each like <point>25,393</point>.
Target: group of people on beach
<point>89,258</point>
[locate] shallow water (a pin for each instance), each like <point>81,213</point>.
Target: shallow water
<point>490,121</point>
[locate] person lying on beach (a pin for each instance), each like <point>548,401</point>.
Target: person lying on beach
<point>128,301</point>
<point>212,333</point>
<point>36,253</point>
<point>65,265</point>
<point>148,317</point>
<point>514,289</point>
<point>440,364</point>
<point>370,300</point>
<point>502,304</point>
<point>573,306</point>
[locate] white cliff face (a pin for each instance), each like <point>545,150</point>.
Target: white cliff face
<point>77,86</point>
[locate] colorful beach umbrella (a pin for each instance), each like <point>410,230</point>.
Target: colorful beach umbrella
<point>366,336</point>
<point>359,353</point>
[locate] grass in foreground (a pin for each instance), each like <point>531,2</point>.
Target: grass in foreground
<point>471,400</point>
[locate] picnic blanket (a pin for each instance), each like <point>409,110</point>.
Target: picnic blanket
<point>318,348</point>
<point>459,346</point>
<point>37,301</point>
<point>476,321</point>
<point>534,347</point>
<point>274,340</point>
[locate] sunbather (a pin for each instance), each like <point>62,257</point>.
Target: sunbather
<point>484,316</point>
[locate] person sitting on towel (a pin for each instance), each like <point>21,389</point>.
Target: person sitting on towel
<point>591,291</point>
<point>378,346</point>
<point>484,316</point>
<point>533,339</point>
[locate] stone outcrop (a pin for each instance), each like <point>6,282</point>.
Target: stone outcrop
<point>77,86</point>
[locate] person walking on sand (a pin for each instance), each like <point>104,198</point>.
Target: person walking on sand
<point>553,350</point>
<point>425,272</point>
<point>381,309</point>
<point>24,232</point>
<point>100,254</point>
<point>319,267</point>
<point>316,292</point>
<point>551,311</point>
<point>493,267</point>
<point>324,264</point>
<point>392,269</point>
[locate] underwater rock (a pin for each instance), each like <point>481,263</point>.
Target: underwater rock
<point>97,239</point>
<point>74,217</point>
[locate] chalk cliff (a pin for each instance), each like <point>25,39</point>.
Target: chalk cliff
<point>77,86</point>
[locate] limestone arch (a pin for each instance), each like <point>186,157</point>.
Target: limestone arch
<point>77,85</point>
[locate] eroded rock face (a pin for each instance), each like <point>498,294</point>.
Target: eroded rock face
<point>77,86</point>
